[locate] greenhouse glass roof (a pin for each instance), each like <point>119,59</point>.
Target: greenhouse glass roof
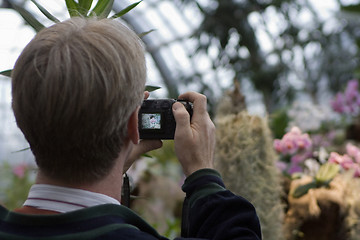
<point>168,44</point>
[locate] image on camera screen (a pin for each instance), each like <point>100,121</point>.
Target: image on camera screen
<point>151,120</point>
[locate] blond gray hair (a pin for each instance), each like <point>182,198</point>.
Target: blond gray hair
<point>74,88</point>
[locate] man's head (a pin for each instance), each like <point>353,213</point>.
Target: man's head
<point>74,88</point>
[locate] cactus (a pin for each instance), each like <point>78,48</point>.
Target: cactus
<point>246,160</point>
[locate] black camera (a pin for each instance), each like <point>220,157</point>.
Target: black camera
<point>156,119</point>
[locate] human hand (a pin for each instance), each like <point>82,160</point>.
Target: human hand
<point>195,140</point>
<point>141,148</point>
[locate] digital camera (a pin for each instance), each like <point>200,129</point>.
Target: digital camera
<point>156,119</point>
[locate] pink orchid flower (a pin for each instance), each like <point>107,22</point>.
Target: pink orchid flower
<point>20,169</point>
<point>335,158</point>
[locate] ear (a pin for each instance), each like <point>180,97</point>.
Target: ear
<point>133,127</point>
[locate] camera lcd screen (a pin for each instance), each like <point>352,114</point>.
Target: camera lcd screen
<point>151,121</point>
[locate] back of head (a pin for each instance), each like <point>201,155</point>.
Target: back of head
<point>74,88</point>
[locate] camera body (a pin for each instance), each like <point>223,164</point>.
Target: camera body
<point>156,119</point>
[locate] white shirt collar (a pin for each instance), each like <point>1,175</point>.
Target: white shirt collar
<point>64,199</point>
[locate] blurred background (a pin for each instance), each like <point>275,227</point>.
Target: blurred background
<point>280,51</point>
<point>281,78</point>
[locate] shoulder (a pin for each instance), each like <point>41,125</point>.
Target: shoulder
<point>100,222</point>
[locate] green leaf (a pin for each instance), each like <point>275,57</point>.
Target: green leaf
<point>355,8</point>
<point>151,88</point>
<point>303,189</point>
<point>323,177</point>
<point>146,155</point>
<point>84,6</point>
<point>22,150</point>
<point>126,10</point>
<point>45,12</point>
<point>102,8</point>
<point>72,7</point>
<point>278,121</point>
<point>200,8</point>
<point>28,17</point>
<point>145,33</point>
<point>6,73</point>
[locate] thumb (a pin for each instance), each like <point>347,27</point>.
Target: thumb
<point>146,146</point>
<point>181,115</point>
<point>143,147</point>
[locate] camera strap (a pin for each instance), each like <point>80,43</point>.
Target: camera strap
<point>125,198</point>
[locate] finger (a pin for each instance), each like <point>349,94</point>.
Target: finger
<point>143,147</point>
<point>146,146</point>
<point>146,95</point>
<point>182,119</point>
<point>199,103</point>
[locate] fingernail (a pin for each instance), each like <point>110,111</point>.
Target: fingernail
<point>176,106</point>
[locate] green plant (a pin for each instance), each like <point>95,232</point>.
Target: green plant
<point>16,181</point>
<point>323,177</point>
<point>81,8</point>
<point>246,160</point>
